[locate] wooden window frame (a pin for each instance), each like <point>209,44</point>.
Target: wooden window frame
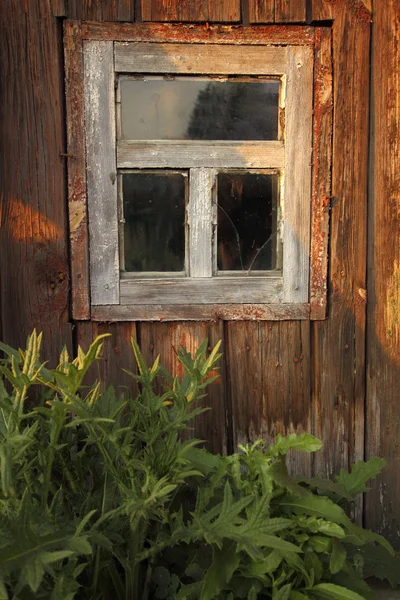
<point>94,54</point>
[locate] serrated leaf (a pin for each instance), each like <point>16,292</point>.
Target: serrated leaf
<point>361,473</point>
<point>48,558</point>
<point>283,593</point>
<point>3,591</point>
<point>319,506</point>
<point>303,443</point>
<point>32,573</point>
<point>338,557</point>
<point>187,590</point>
<point>330,591</point>
<point>225,561</point>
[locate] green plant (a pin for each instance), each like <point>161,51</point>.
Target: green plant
<point>100,497</point>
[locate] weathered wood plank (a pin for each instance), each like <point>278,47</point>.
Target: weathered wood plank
<point>383,308</point>
<point>101,172</point>
<point>200,223</point>
<point>325,10</point>
<point>225,11</point>
<point>298,124</point>
<point>174,155</point>
<point>191,10</point>
<point>199,34</point>
<point>338,360</point>
<point>202,312</point>
<point>184,291</point>
<point>33,255</point>
<point>199,58</point>
<point>322,10</point>
<point>290,11</point>
<point>164,339</point>
<point>262,11</point>
<point>270,383</point>
<point>322,165</point>
<point>125,10</point>
<point>76,155</point>
<point>117,354</point>
<point>58,8</point>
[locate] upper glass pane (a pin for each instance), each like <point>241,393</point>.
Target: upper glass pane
<point>154,221</point>
<point>154,108</point>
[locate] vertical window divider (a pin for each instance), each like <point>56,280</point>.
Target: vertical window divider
<point>201,183</point>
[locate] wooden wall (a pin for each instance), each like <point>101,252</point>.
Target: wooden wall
<point>383,333</point>
<point>275,376</point>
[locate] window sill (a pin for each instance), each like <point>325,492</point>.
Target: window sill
<point>201,312</point>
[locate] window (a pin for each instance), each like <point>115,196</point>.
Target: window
<point>198,178</point>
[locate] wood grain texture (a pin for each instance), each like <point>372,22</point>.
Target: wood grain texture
<point>199,34</point>
<point>101,172</point>
<point>322,167</point>
<point>33,242</point>
<point>191,10</point>
<point>322,10</point>
<point>338,344</point>
<point>101,10</point>
<point>383,308</point>
<point>164,339</point>
<point>117,353</point>
<point>202,312</point>
<point>200,222</point>
<point>270,383</point>
<point>175,155</point>
<point>58,8</point>
<point>261,11</point>
<point>199,58</point>
<point>205,290</point>
<point>298,138</point>
<point>77,205</point>
<point>326,10</point>
<point>290,11</point>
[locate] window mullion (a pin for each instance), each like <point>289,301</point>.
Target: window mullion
<point>201,183</point>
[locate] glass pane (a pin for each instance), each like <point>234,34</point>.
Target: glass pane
<point>154,213</point>
<point>247,222</point>
<point>199,109</point>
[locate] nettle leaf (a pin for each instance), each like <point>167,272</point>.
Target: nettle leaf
<point>319,506</point>
<point>360,474</point>
<point>338,557</point>
<point>303,443</point>
<point>225,562</point>
<point>280,475</point>
<point>265,566</point>
<point>379,563</point>
<point>283,593</point>
<point>330,591</point>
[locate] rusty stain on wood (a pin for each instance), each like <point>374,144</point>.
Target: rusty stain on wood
<point>78,226</point>
<point>338,378</point>
<point>213,34</point>
<point>321,184</point>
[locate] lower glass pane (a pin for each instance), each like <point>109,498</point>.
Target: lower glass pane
<point>247,222</point>
<point>154,215</point>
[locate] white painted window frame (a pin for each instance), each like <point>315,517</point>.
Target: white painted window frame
<point>136,297</point>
